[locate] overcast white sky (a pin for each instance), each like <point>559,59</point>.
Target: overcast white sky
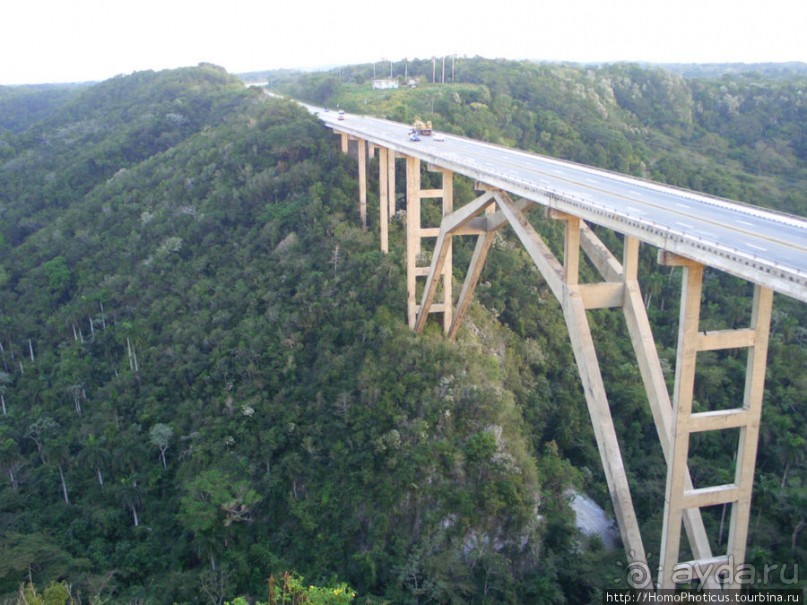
<point>79,40</point>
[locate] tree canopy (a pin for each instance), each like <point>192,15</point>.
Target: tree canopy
<point>207,377</point>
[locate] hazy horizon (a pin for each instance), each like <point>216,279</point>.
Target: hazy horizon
<point>49,41</point>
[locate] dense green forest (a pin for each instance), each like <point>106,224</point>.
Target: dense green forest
<point>24,106</point>
<point>207,376</point>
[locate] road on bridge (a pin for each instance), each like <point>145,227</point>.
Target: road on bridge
<point>765,247</point>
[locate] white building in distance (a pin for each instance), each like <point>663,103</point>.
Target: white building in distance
<point>385,83</point>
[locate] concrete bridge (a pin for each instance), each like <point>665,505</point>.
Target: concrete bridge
<point>690,230</point>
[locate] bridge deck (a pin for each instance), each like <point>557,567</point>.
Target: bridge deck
<point>764,247</point>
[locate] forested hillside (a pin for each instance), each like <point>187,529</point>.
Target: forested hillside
<point>207,376</point>
<point>23,106</point>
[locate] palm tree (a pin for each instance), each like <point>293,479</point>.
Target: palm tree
<point>95,455</point>
<point>58,454</point>
<point>5,380</point>
<point>130,495</point>
<point>10,459</point>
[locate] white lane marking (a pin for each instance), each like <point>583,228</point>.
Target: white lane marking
<point>683,206</point>
<point>757,247</point>
<point>688,226</point>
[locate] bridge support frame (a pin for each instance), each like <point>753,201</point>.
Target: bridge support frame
<point>673,420</point>
<point>673,417</point>
<point>415,233</point>
<point>362,155</point>
<point>363,150</point>
<point>386,163</point>
<point>681,496</point>
<point>383,196</point>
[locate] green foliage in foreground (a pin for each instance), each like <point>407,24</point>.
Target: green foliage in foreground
<point>54,594</point>
<point>292,590</point>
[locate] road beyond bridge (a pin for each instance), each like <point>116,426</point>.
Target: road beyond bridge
<point>690,229</point>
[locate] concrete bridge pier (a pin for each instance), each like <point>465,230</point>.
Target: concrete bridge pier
<point>680,495</point>
<point>416,233</point>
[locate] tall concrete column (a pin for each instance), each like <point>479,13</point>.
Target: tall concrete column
<point>689,318</point>
<point>448,267</point>
<point>749,434</point>
<point>362,152</point>
<point>412,236</point>
<point>383,196</point>
<point>391,183</point>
